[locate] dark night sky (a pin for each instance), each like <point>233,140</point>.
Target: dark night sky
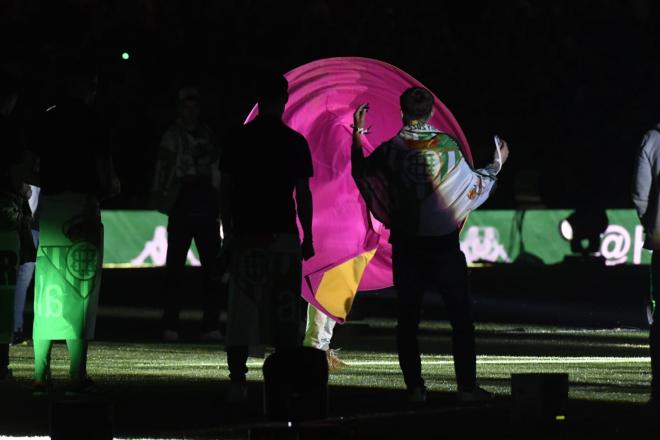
<point>572,85</point>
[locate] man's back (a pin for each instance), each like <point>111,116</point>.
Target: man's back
<point>431,187</point>
<point>265,159</point>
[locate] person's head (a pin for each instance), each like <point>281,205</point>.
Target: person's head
<point>416,105</point>
<point>8,93</point>
<point>272,93</point>
<point>81,78</point>
<point>188,106</point>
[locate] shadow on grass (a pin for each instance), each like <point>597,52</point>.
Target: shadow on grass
<point>197,409</point>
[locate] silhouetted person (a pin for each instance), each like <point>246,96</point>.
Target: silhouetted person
<point>646,197</point>
<point>26,270</point>
<point>421,187</point>
<point>186,189</point>
<point>262,165</point>
<point>15,248</point>
<point>75,172</point>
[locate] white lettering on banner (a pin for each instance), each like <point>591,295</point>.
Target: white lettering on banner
<point>53,302</point>
<point>483,243</point>
<point>615,245</point>
<point>156,250</point>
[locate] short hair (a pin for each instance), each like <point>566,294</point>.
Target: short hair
<point>272,87</point>
<point>416,103</point>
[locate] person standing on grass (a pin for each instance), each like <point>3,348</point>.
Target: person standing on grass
<point>421,187</point>
<point>185,188</point>
<point>75,173</point>
<point>264,162</point>
<point>15,217</point>
<point>646,198</point>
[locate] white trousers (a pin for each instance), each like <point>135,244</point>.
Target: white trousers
<point>318,332</point>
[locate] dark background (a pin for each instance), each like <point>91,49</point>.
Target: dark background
<point>572,85</point>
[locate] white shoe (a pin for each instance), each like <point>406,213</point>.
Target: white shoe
<point>213,336</point>
<point>170,335</point>
<point>417,394</point>
<point>237,393</point>
<point>477,395</point>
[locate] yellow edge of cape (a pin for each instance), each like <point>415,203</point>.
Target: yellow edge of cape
<point>339,285</point>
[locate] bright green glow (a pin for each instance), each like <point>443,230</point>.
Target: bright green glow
<point>560,418</point>
<point>66,273</point>
<point>125,56</point>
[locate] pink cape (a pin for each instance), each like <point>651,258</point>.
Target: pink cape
<point>323,95</point>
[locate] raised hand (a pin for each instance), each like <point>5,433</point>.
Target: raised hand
<point>359,116</point>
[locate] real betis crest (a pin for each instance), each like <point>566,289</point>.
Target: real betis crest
<point>78,264</point>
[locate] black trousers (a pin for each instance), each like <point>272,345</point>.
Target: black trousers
<point>436,263</point>
<point>4,357</point>
<point>182,228</point>
<point>654,333</point>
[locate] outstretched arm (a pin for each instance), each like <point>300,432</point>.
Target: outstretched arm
<point>357,156</point>
<point>485,178</point>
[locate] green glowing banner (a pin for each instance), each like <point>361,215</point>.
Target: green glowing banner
<point>139,238</point>
<point>67,277</point>
<point>499,235</point>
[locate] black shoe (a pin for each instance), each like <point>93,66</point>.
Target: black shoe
<point>42,387</point>
<point>416,395</point>
<point>81,386</point>
<point>474,395</point>
<point>18,338</point>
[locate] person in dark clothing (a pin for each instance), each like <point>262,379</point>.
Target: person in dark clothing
<point>422,188</point>
<point>76,173</point>
<point>185,188</point>
<point>646,197</point>
<point>15,219</point>
<point>262,165</point>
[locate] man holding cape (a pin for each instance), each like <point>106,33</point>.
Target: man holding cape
<point>419,185</point>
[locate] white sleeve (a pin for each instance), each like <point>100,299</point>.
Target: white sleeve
<point>484,181</point>
<point>642,177</point>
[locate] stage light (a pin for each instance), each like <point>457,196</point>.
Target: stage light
<point>566,230</point>
<point>125,56</point>
<point>584,228</point>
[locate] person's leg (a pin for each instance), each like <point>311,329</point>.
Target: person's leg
<point>4,360</point>
<point>318,330</point>
<point>451,279</point>
<point>654,333</point>
<point>179,238</point>
<point>207,239</point>
<point>42,349</point>
<point>237,363</point>
<point>77,358</point>
<point>23,279</point>
<point>287,311</point>
<point>410,292</point>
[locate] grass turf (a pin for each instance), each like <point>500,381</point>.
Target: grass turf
<point>174,389</point>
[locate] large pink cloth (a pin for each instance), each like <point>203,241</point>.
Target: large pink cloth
<point>322,98</point>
